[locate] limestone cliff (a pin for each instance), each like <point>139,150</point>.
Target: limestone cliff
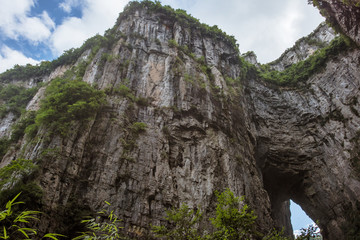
<point>209,122</point>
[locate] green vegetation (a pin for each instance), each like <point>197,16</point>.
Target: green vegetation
<point>98,228</point>
<point>15,99</point>
<point>168,14</point>
<point>301,71</point>
<point>15,171</point>
<point>310,233</point>
<point>15,223</point>
<point>310,39</point>
<point>124,91</point>
<point>185,224</point>
<point>138,127</point>
<point>230,222</point>
<point>69,57</point>
<point>18,130</point>
<point>66,101</point>
<point>172,43</point>
<point>4,146</point>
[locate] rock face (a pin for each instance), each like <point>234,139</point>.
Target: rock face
<point>198,140</point>
<point>304,47</point>
<point>343,15</point>
<point>306,141</point>
<point>205,131</point>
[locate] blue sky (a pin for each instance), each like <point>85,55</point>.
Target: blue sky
<point>36,30</point>
<point>299,219</point>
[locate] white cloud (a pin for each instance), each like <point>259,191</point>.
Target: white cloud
<point>68,5</point>
<point>266,27</point>
<point>97,16</point>
<point>15,21</point>
<point>10,57</point>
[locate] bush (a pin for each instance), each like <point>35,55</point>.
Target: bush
<point>138,127</point>
<point>124,91</point>
<point>172,43</point>
<point>311,232</point>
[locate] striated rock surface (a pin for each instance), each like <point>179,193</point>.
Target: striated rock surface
<point>211,123</point>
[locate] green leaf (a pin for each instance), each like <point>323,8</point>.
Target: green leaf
<point>53,236</point>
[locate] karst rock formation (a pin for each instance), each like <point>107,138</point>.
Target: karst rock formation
<point>212,122</point>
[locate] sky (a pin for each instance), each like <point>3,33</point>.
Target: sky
<point>299,219</point>
<point>35,30</point>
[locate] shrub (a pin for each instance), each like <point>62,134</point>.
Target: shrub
<point>141,101</point>
<point>124,91</point>
<point>138,127</point>
<point>172,43</point>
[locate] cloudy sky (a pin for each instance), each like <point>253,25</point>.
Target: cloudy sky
<point>35,30</point>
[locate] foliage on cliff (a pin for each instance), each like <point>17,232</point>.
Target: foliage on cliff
<point>180,16</point>
<point>69,57</point>
<point>301,71</point>
<point>67,101</point>
<point>231,222</point>
<point>15,98</point>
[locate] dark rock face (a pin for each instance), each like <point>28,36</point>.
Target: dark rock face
<point>306,143</point>
<point>203,133</point>
<point>344,15</point>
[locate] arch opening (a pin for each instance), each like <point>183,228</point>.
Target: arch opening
<point>300,220</point>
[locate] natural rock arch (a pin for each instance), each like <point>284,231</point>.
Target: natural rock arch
<point>306,141</point>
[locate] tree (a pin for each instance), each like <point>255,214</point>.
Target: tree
<point>183,224</point>
<point>231,221</point>
<point>312,232</point>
